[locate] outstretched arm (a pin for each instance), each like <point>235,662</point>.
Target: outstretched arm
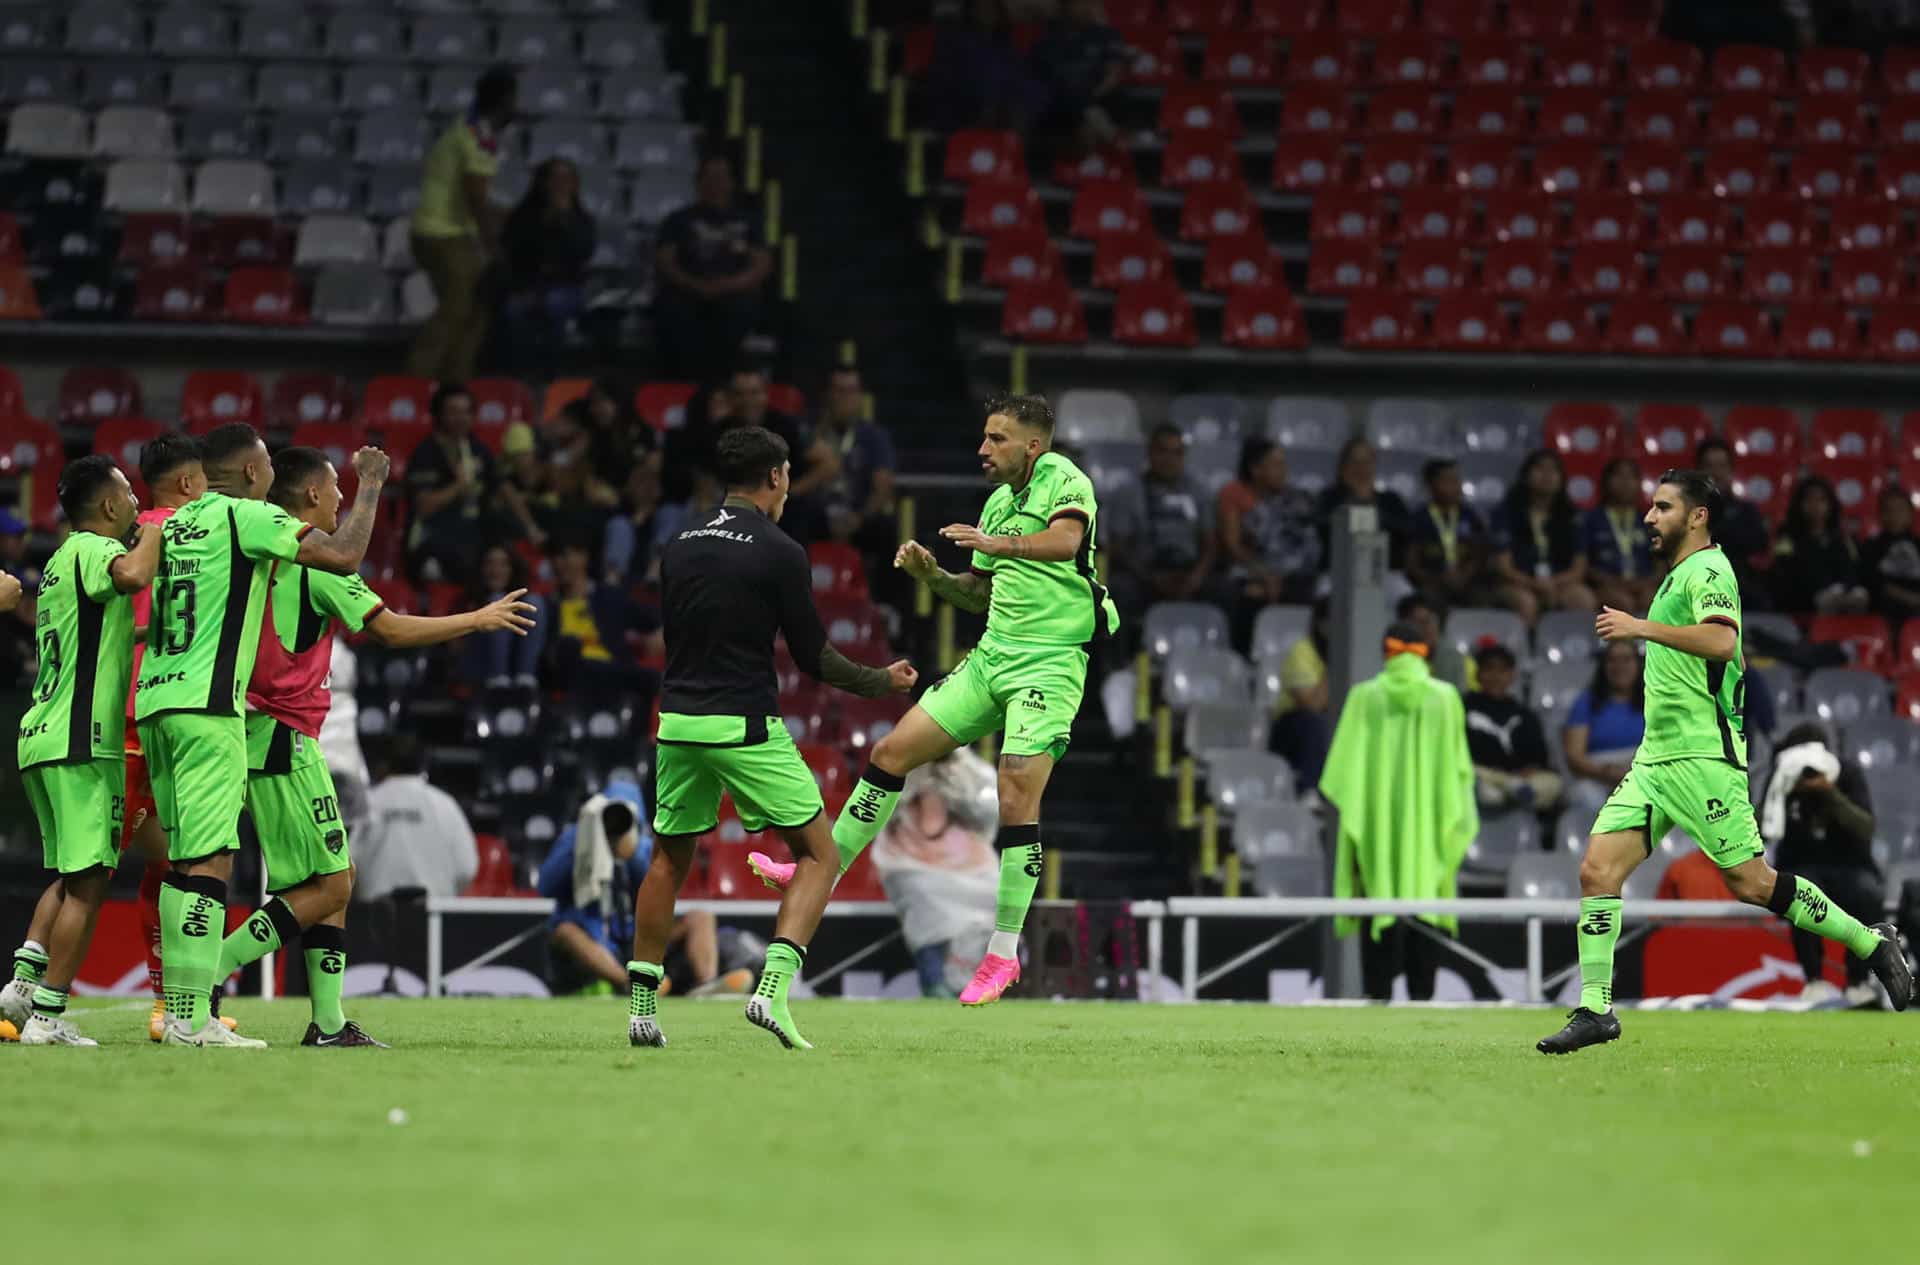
<point>968,590</point>
<point>408,632</point>
<point>1058,543</point>
<point>342,550</point>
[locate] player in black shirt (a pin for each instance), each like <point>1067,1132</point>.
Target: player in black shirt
<point>729,585</point>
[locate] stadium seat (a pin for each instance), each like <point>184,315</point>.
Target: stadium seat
<point>122,438</point>
<point>984,154</point>
<point>47,131</point>
<point>1276,828</point>
<point>1382,322</point>
<point>1767,482</point>
<point>32,456</point>
<point>1126,258</point>
<point>1306,164</point>
<point>1520,270</point>
<point>367,88</point>
<point>1314,422</point>
<point>362,37</point>
<point>1236,262</point>
<point>837,569</point>
<point>1740,170</point>
<point>1857,483</point>
<point>133,131</point>
<point>1432,268</point>
<point>1900,123</point>
<point>1663,65</point>
<point>662,404</point>
<point>1435,215</point>
<point>1245,57</point>
<point>1405,112</point>
<point>233,188</point>
<point>1897,175</point>
<point>1749,68</point>
<point>1565,637</point>
<point>116,81</point>
<point>1417,426</point>
<point>1178,627</point>
<point>1543,876</point>
<point>1324,57</point>
<point>1221,209</point>
<point>1351,216</point>
<point>1395,165</point>
<point>1835,71</point>
<point>1484,477</point>
<point>1109,162</point>
<point>1467,626</point>
<point>855,624</point>
<point>1865,224</point>
<point>1558,325</point>
<point>500,402</point>
<point>1574,114</point>
<point>338,441</point>
<point>295,86</point>
<point>1865,638</point>
<point>299,398</point>
<point>248,240</point>
<point>1263,318</point>
<point>1585,471</point>
<point>995,206</point>
<point>93,394</point>
<point>1153,314</point>
<point>535,41</point>
<point>1408,59</point>
<point>153,239</point>
<point>1893,332</point>
<point>1583,428</point>
<point>1776,222</point>
<point>1243,779</point>
<point>1488,112</point>
<point>1486,167</point>
<point>1844,696</point>
<point>1763,431</point>
<point>620,45</point>
<point>1490,60</point>
<point>1043,312</point>
<point>1831,121</point>
<point>1654,169</point>
<point>1606,219</point>
<point>1157,60</point>
<point>395,401</point>
<point>1199,108</point>
<point>1691,273</point>
<point>170,292</point>
<point>1093,416</point>
<point>1193,159</point>
<point>214,397</point>
<point>335,239</point>
<point>1869,277</point>
<point>1733,329</point>
<point>135,186</point>
<point>220,134</point>
<point>1645,327</point>
<point>1521,216</point>
<point>1345,268</point>
<point>1667,434</point>
<point>1820,331</point>
<point>263,296</point>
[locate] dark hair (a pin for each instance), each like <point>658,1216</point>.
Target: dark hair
<point>1401,630</point>
<point>1712,443</point>
<point>165,454</point>
<point>293,470</point>
<point>616,819</point>
<point>81,483</point>
<point>745,454</point>
<point>1253,451</point>
<point>437,406</point>
<point>516,574</point>
<point>1435,467</point>
<point>533,201</point>
<point>1162,431</point>
<point>403,754</point>
<point>1491,651</point>
<point>1600,691</point>
<point>1795,525</point>
<point>1354,444</point>
<point>494,89</point>
<point>1031,411</point>
<point>1561,512</point>
<point>1893,492</point>
<point>1805,731</point>
<point>1699,492</point>
<point>1404,608</point>
<point>223,443</point>
<point>1606,473</point>
<point>710,157</point>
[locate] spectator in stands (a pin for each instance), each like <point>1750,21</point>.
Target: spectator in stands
<point>630,545</point>
<point>17,645</point>
<point>1816,566</point>
<point>1619,553</point>
<point>1301,728</point>
<point>1609,718</point>
<point>1741,530</point>
<point>458,502</point>
<point>1540,557</point>
<point>1817,816</point>
<point>612,437</point>
<point>1268,531</point>
<point>1445,662</point>
<point>936,859</point>
<point>711,264</point>
<point>1450,553</point>
<point>456,230</point>
<point>977,77</point>
<point>493,659</point>
<point>573,499</point>
<point>1890,562</point>
<point>1511,766</point>
<point>417,836</point>
<point>1353,484</point>
<point>546,244</point>
<point>1162,546</point>
<point>1082,62</point>
<point>857,489</point>
<point>592,654</point>
<point>742,400</point>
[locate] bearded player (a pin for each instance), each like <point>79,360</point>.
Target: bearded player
<point>1691,768</point>
<point>1033,574</point>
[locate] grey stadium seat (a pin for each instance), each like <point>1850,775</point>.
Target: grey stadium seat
<point>318,188</point>
<point>1500,840</point>
<point>1092,416</point>
<point>450,90</point>
<point>1556,685</point>
<point>640,94</point>
<point>654,195</point>
<point>619,45</point>
<point>1883,742</point>
<point>1112,467</point>
<point>1240,779</point>
<point>1544,876</point>
<point>1778,627</point>
<point>1495,426</point>
<point>1399,470</point>
<point>533,41</point>
<point>103,27</point>
<point>1212,466</point>
<point>354,36</point>
<point>1566,637</point>
<point>191,30</point>
<point>208,85</point>
<point>24,31</point>
<point>645,146</point>
<point>549,91</point>
<point>1290,878</point>
<point>353,295</point>
<point>393,190</point>
<point>138,186</point>
<point>1842,696</point>
<point>1212,727</point>
<point>439,40</point>
<point>1410,425</point>
<point>1468,624</point>
<point>600,193</point>
<point>511,181</point>
<point>416,298</point>
<point>233,187</point>
<point>1171,626</point>
<point>574,139</point>
<point>396,246</point>
<point>1312,469</point>
<point>116,82</point>
<point>1786,685</point>
<point>133,131</point>
<point>1205,419</point>
<point>1308,421</point>
<point>1570,831</point>
<point>1277,828</point>
<point>278,30</point>
<point>36,82</point>
<point>369,88</point>
<point>1276,628</point>
<point>219,134</point>
<point>335,239</point>
<point>391,137</point>
<point>1485,477</point>
<point>296,136</point>
<point>295,86</point>
<point>1206,674</point>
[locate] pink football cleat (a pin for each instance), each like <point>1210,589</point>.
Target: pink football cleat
<point>995,976</point>
<point>775,874</point>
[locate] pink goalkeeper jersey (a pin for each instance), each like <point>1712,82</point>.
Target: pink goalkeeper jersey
<point>305,608</point>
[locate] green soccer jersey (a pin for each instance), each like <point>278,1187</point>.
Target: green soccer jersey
<point>84,629</point>
<point>204,631</point>
<point>1045,603</point>
<point>1694,705</point>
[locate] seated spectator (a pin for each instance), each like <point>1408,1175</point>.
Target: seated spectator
<point>596,865</point>
<point>609,434</point>
<point>1353,484</point>
<point>977,77</point>
<point>417,836</point>
<point>742,401</point>
<point>629,546</point>
<point>574,503</point>
<point>1081,63</point>
<point>1612,535</point>
<point>592,657</point>
<point>1267,530</point>
<point>1161,542</point>
<point>1511,766</point>
<point>857,489</point>
<point>1609,718</point>
<point>1816,566</point>
<point>501,658</point>
<point>1302,727</point>
<point>1540,557</point>
<point>1443,660</point>
<point>937,861</point>
<point>1890,562</point>
<point>1450,551</point>
<point>711,263</point>
<point>1741,530</point>
<point>458,502</point>
<point>456,228</point>
<point>545,246</point>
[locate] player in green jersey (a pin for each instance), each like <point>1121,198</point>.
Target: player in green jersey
<point>1691,768</point>
<point>72,757</point>
<point>1033,574</point>
<point>202,637</point>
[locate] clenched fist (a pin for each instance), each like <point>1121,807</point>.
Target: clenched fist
<point>371,465</point>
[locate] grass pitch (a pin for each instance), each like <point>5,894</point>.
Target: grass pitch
<point>1027,1132</point>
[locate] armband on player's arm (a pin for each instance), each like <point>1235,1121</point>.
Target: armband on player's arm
<point>856,679</point>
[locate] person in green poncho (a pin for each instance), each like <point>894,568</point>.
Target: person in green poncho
<point>1401,776</point>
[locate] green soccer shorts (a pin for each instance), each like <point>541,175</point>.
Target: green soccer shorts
<point>1705,798</point>
<point>79,806</point>
<point>753,760</point>
<point>1031,693</point>
<point>295,810</point>
<point>198,765</point>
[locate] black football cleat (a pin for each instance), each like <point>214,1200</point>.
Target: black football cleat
<point>349,1036</point>
<point>1889,965</point>
<point>1584,1028</point>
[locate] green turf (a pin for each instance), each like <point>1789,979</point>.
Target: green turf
<point>1023,1133</point>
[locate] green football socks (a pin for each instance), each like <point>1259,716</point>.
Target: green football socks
<point>643,980</point>
<point>1020,866</point>
<point>270,926</point>
<point>1599,932</point>
<point>784,959</point>
<point>1804,905</point>
<point>326,954</point>
<point>866,813</point>
<point>50,1002</point>
<point>30,962</point>
<point>193,914</point>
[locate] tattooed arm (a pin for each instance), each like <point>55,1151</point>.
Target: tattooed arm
<point>968,590</point>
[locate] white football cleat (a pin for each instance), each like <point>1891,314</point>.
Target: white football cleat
<point>644,1032</point>
<point>53,1030</point>
<point>16,1002</point>
<point>212,1033</point>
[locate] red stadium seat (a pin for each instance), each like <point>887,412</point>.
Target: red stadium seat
<point>1740,171</point>
<point>1691,219</point>
<point>1234,263</point>
<point>1242,57</point>
<point>1644,327</point>
<point>1373,17</point>
<point>854,622</point>
<point>1380,321</point>
<point>1898,175</point>
<point>1157,60</point>
<point>500,402</point>
<point>399,447</point>
<point>1605,270</point>
<point>1626,21</point>
<point>1893,332</point>
<point>1495,61</point>
<point>1570,167</point>
<point>1900,71</point>
<point>1108,207</point>
<point>1576,63</point>
<point>1396,164</point>
<point>397,402</point>
<point>1663,65</point>
<point>1432,268</point>
<point>1470,322</point>
<point>1865,636</point>
<point>994,206</point>
<point>664,404</point>
<point>122,438</point>
<point>1827,173</point>
<point>1153,314</point>
<point>1664,117</point>
<point>92,394</point>
<point>1779,275</point>
<point>1199,108</point>
<point>1315,109</point>
<point>13,402</point>
<point>1586,472</point>
<point>249,241</point>
<point>1263,319</point>
<point>170,292</point>
<point>837,569</point>
<point>1607,218</point>
<point>1775,221</point>
<point>1412,58</point>
<point>1907,658</point>
<point>1835,71</point>
<point>1344,267</point>
<point>1767,482</point>
<point>1575,114</point>
<point>1856,486</point>
<point>1900,123</point>
<point>1733,329</point>
<point>1559,325</point>
<point>32,457</point>
<point>1869,276</point>
<point>1323,58</point>
<point>1345,216</point>
<point>338,440</point>
<point>1521,216</point>
<point>1043,312</point>
<point>1831,121</point>
<point>1197,158</point>
<point>1309,163</point>
<point>1223,209</point>
<point>1650,170</point>
<point>264,296</point>
<point>978,153</point>
<point>153,239</point>
<point>1691,273</point>
<point>1820,331</point>
<point>1285,17</point>
<point>829,768</point>
<point>309,397</point>
<point>1542,19</point>
<point>1458,18</point>
<point>1583,427</point>
<point>214,397</point>
<point>1842,434</point>
<point>1743,118</point>
<point>1488,112</point>
<point>1749,68</point>
<point>1021,255</point>
<point>1906,699</point>
<point>1108,162</point>
<point>1864,224</point>
<point>1667,434</point>
<point>1486,167</point>
<point>1203,16</point>
<point>12,248</point>
<point>916,51</point>
<point>1520,270</point>
<point>1128,258</point>
<point>1763,431</point>
<point>1435,215</point>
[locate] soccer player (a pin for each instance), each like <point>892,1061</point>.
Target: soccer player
<point>290,795</point>
<point>203,635</point>
<point>1691,767</point>
<point>72,758</point>
<point>730,584</point>
<point>1033,575</point>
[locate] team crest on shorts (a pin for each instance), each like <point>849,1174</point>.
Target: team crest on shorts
<point>335,840</point>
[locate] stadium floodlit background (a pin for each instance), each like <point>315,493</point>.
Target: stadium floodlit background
<point>1372,232</point>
